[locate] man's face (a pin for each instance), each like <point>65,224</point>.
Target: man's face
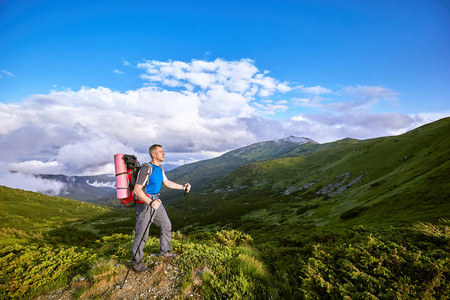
<point>158,154</point>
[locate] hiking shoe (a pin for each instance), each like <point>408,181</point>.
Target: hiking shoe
<point>168,255</point>
<point>138,268</point>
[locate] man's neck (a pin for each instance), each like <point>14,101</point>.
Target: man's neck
<point>156,162</point>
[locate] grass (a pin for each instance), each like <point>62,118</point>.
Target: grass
<point>361,262</point>
<point>324,263</point>
<point>103,268</point>
<point>28,217</point>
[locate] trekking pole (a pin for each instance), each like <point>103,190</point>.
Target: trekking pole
<point>148,225</point>
<point>186,195</point>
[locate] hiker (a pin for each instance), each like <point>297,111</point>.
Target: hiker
<point>148,199</point>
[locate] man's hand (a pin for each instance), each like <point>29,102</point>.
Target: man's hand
<point>187,187</point>
<point>156,204</point>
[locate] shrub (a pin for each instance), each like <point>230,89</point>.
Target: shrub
<point>233,238</point>
<point>201,236</point>
<point>226,272</point>
<point>252,267</point>
<point>406,263</point>
<point>116,246</point>
<point>28,271</point>
<point>352,212</point>
<point>102,269</point>
<point>233,287</point>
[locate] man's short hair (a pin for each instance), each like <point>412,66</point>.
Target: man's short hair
<point>153,147</point>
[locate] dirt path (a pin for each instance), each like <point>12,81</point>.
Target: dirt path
<point>161,281</point>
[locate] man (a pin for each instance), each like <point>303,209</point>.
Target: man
<point>147,201</point>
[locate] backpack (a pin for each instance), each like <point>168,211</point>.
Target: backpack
<point>133,167</point>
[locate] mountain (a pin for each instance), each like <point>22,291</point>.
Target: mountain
<point>299,184</point>
<point>102,189</point>
<point>99,189</point>
<point>201,174</point>
<point>383,181</point>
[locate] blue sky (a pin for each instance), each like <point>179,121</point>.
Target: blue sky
<point>396,44</point>
<point>212,75</point>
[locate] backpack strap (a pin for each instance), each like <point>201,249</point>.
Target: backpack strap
<point>149,173</point>
<point>147,177</point>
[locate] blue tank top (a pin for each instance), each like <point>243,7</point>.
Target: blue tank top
<point>155,181</point>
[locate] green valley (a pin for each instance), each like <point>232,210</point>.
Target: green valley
<point>286,219</point>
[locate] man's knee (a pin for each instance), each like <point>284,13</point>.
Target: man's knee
<point>166,225</point>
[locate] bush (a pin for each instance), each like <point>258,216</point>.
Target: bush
<point>352,212</point>
<point>227,272</point>
<point>366,264</point>
<point>252,267</point>
<point>29,271</point>
<point>358,263</point>
<point>102,269</point>
<point>233,238</point>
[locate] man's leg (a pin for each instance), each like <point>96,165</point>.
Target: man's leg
<point>165,236</point>
<point>143,212</point>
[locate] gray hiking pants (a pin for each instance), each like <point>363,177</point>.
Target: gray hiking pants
<point>160,219</point>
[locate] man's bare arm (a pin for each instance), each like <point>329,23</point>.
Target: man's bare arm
<point>176,186</point>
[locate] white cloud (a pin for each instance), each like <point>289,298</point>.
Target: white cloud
<point>370,92</point>
<point>78,132</point>
<point>344,106</point>
<point>116,71</point>
<point>195,109</point>
<point>110,185</point>
<point>86,155</point>
<point>270,108</point>
<point>361,98</point>
<point>37,166</point>
<point>234,76</point>
<point>7,73</point>
<point>30,183</point>
<point>314,102</point>
<point>181,162</point>
<point>316,90</point>
<point>328,127</point>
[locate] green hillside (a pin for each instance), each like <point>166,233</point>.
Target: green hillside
<point>386,181</point>
<point>203,173</point>
<point>28,217</point>
<point>344,220</point>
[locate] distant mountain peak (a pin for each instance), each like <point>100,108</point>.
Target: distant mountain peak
<point>296,139</point>
<point>271,149</point>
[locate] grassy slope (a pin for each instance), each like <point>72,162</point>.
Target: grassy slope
<point>203,173</point>
<point>392,180</point>
<point>384,181</point>
<point>28,217</point>
<point>404,180</point>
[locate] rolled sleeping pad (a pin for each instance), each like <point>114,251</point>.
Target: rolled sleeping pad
<point>121,177</point>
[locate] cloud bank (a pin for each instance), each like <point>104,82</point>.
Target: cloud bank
<point>196,110</point>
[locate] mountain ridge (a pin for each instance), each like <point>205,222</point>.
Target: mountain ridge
<point>340,182</point>
<point>100,189</point>
<point>203,173</point>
